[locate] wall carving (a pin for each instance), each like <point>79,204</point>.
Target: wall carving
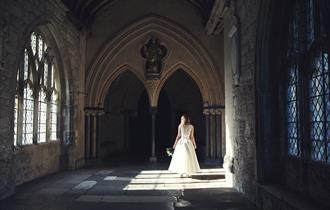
<point>153,52</point>
<point>235,50</point>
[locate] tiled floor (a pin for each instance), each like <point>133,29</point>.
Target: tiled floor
<point>123,188</point>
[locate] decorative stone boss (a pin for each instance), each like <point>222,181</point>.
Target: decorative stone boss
<point>153,52</point>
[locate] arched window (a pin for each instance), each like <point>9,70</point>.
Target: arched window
<point>292,83</point>
<point>308,81</point>
<point>320,107</point>
<point>36,99</point>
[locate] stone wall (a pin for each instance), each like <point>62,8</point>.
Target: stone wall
<point>126,12</point>
<point>240,159</point>
<point>21,17</point>
<point>283,182</point>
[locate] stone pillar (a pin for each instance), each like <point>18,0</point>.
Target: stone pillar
<point>94,135</point>
<point>213,131</point>
<point>153,111</point>
<point>206,113</point>
<point>223,133</point>
<point>87,135</point>
<point>218,134</point>
<point>126,114</point>
<point>213,142</point>
<point>92,141</point>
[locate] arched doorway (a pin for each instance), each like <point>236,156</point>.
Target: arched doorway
<point>180,94</point>
<point>124,129</point>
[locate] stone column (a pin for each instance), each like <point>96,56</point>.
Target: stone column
<point>87,135</point>
<point>206,113</point>
<point>218,134</point>
<point>92,141</point>
<point>97,140</point>
<point>213,140</point>
<point>126,114</point>
<point>153,111</point>
<point>94,135</point>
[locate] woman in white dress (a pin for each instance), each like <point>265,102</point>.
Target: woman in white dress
<point>184,160</point>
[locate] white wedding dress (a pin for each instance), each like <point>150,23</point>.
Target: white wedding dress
<point>184,159</point>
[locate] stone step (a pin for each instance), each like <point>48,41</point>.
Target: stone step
<point>207,176</point>
<point>126,199</point>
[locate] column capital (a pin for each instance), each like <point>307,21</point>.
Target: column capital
<point>206,111</point>
<point>212,111</point>
<point>219,111</point>
<point>94,111</point>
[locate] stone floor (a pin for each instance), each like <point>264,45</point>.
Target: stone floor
<point>129,187</point>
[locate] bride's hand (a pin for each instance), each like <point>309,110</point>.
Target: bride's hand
<point>174,146</point>
<point>195,146</point>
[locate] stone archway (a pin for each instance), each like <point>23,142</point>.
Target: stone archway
<point>184,52</point>
<point>124,50</point>
<point>123,128</point>
<point>184,96</point>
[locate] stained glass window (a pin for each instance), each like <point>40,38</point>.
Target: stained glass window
<point>293,112</point>
<point>53,117</point>
<point>292,100</point>
<point>38,120</point>
<point>45,78</point>
<point>28,114</point>
<point>40,47</point>
<point>15,119</point>
<point>320,108</point>
<point>308,57</point>
<point>42,117</point>
<point>34,43</point>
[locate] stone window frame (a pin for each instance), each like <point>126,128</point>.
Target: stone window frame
<point>310,43</point>
<point>36,79</point>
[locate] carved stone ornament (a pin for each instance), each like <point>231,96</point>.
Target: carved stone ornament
<point>235,51</point>
<point>153,52</point>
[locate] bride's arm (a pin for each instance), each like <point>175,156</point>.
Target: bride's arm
<point>192,137</point>
<point>177,137</point>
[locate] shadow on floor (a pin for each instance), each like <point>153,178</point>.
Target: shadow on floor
<point>126,186</point>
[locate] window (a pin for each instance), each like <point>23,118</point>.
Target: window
<point>28,115</point>
<point>308,72</point>
<point>292,112</point>
<point>292,84</point>
<point>36,98</point>
<point>320,108</point>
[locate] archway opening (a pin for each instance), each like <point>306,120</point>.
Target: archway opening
<point>180,94</point>
<point>124,129</point>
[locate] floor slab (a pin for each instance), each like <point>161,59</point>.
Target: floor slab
<point>127,187</point>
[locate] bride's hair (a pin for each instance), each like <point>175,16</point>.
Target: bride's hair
<point>187,118</point>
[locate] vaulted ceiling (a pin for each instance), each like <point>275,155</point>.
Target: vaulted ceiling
<point>204,7</point>
<point>82,12</point>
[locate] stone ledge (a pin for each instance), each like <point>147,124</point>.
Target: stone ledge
<point>285,199</point>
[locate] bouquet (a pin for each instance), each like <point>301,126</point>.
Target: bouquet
<point>169,151</point>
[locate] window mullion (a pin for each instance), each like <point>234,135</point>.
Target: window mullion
<point>20,97</point>
<point>36,90</point>
<point>49,96</point>
<point>307,111</point>
<point>324,107</point>
<point>302,107</point>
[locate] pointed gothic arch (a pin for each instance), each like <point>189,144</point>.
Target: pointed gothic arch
<point>101,72</point>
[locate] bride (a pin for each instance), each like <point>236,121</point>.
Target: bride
<point>184,160</point>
